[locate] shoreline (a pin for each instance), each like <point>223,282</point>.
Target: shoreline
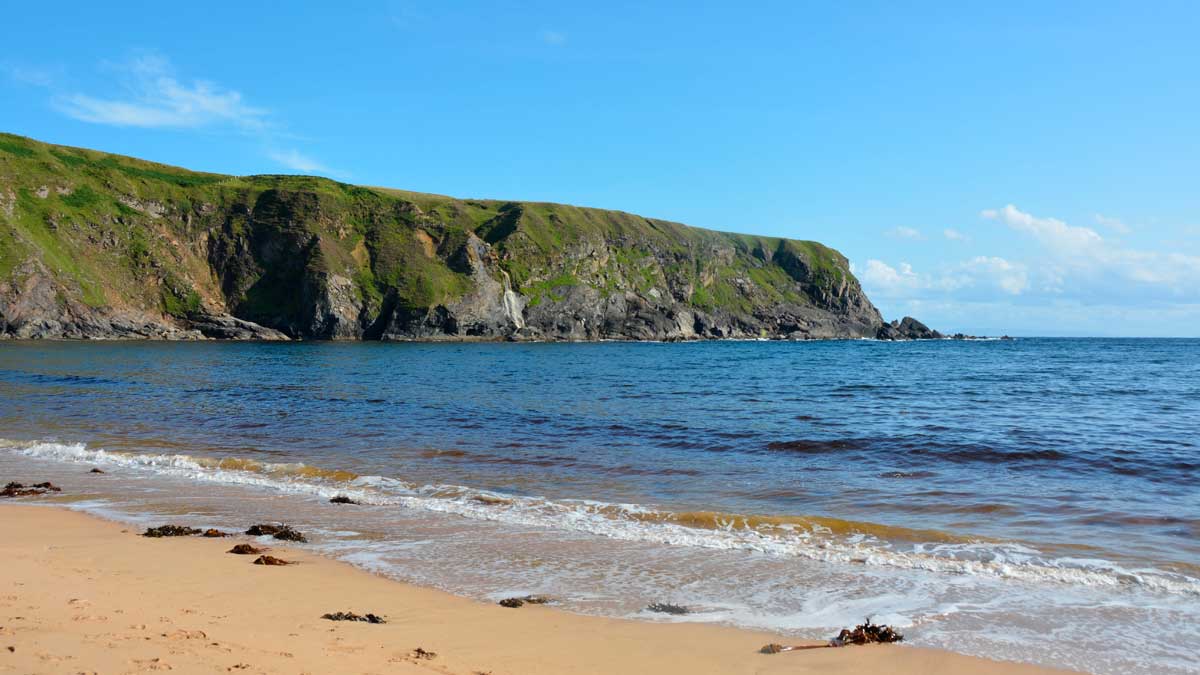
<point>85,594</point>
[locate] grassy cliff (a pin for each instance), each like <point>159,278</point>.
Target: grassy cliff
<point>91,243</point>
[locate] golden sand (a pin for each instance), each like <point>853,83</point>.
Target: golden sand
<point>83,595</point>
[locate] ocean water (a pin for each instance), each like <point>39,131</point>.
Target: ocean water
<point>1034,500</point>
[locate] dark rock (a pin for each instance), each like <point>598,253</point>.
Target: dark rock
<point>907,328</point>
<point>225,327</point>
<point>270,560</point>
<point>15,489</point>
<point>351,616</point>
<point>668,608</point>
<point>171,531</point>
<point>96,471</point>
<point>512,603</point>
<point>342,499</point>
<point>246,549</point>
<point>213,533</point>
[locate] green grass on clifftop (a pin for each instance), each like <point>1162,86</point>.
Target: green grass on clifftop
<point>120,230</point>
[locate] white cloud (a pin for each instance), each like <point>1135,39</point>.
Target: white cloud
<point>1069,279</point>
<point>296,161</point>
<point>902,232</point>
<point>982,276</point>
<point>554,37</point>
<point>1009,277</point>
<point>1079,262</point>
<point>1051,232</point>
<point>888,280</point>
<point>954,235</point>
<point>155,98</point>
<point>1114,224</point>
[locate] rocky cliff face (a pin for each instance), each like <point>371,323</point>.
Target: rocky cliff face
<point>100,246</point>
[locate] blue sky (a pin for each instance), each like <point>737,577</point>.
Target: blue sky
<point>1029,168</point>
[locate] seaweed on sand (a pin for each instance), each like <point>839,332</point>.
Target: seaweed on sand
<point>171,531</point>
<point>351,616</point>
<point>282,532</point>
<point>423,654</point>
<point>862,634</point>
<point>867,633</point>
<point>15,489</point>
<point>668,608</point>
<point>246,549</point>
<point>525,600</point>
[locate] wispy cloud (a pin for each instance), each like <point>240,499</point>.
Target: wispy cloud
<point>902,232</point>
<point>38,76</point>
<point>146,92</point>
<point>553,37</point>
<point>954,235</point>
<point>296,161</point>
<point>1114,224</point>
<point>154,97</point>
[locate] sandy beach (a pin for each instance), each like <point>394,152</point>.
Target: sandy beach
<point>83,595</point>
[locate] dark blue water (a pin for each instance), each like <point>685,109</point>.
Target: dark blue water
<point>964,478</point>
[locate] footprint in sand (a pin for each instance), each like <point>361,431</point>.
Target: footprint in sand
<point>186,635</point>
<point>153,664</point>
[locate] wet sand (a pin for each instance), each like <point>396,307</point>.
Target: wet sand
<point>83,595</point>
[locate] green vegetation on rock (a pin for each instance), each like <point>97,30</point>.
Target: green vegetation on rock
<point>315,258</point>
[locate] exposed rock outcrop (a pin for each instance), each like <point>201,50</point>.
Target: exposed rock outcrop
<point>225,327</point>
<point>908,328</point>
<point>101,246</point>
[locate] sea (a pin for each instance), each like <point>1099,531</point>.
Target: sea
<point>1034,499</point>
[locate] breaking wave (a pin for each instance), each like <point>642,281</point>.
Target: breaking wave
<point>811,537</point>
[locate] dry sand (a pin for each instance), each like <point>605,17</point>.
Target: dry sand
<point>83,595</point>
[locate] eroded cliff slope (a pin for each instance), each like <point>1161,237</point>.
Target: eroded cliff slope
<point>94,245</point>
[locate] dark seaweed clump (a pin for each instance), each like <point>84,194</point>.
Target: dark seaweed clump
<point>342,499</point>
<point>526,600</point>
<point>171,531</point>
<point>15,489</point>
<point>282,532</point>
<point>270,560</point>
<point>351,616</point>
<point>862,634</point>
<point>867,633</point>
<point>668,608</point>
<point>246,549</point>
